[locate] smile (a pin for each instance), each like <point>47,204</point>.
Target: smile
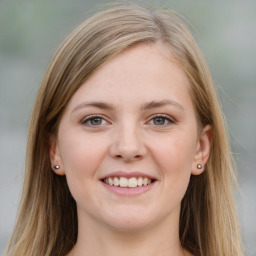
<point>124,182</point>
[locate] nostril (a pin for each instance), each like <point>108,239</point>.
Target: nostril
<point>126,151</point>
<point>128,157</point>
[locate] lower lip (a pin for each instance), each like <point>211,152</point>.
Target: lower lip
<point>129,191</point>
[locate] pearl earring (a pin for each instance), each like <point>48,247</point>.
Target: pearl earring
<point>200,166</point>
<point>56,167</point>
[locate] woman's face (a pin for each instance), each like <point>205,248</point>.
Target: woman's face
<point>128,141</point>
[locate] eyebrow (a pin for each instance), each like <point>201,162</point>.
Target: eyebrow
<point>158,104</point>
<point>100,105</point>
<point>146,106</point>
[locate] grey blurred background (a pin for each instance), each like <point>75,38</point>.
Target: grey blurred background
<point>30,33</point>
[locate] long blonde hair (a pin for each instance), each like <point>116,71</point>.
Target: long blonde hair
<point>47,219</point>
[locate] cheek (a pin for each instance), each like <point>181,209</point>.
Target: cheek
<point>81,156</point>
<point>175,153</point>
<point>174,157</point>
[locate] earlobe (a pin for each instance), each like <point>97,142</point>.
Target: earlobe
<point>203,151</point>
<point>55,157</point>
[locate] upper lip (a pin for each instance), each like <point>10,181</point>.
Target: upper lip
<point>129,174</point>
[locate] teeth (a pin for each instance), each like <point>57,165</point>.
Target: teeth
<point>140,181</point>
<point>116,182</point>
<point>130,183</point>
<point>123,182</point>
<point>110,181</point>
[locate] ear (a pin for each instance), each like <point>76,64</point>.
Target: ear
<point>55,157</point>
<point>203,150</point>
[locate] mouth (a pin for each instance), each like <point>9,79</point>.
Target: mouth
<point>124,182</point>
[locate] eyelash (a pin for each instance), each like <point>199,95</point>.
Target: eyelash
<point>165,118</point>
<point>90,118</point>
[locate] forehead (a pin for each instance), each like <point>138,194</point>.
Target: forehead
<point>144,72</point>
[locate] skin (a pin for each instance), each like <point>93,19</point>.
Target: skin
<point>127,136</point>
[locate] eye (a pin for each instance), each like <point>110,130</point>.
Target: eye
<point>94,120</point>
<point>161,120</point>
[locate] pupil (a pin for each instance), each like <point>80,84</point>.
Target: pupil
<point>159,121</point>
<point>96,121</point>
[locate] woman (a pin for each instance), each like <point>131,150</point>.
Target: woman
<point>127,150</point>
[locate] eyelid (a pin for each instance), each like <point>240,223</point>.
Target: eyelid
<point>167,117</point>
<point>90,117</point>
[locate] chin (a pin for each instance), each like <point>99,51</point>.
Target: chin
<point>129,225</point>
<point>130,219</point>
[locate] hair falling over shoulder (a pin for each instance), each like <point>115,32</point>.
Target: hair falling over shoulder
<point>46,224</point>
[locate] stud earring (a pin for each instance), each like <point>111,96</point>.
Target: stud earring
<point>56,167</point>
<point>200,166</point>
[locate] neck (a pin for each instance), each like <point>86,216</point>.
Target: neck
<point>97,240</point>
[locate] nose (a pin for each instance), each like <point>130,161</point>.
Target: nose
<point>128,144</point>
